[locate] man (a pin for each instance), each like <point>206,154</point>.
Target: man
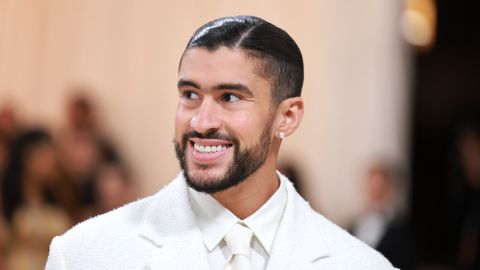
<point>239,86</point>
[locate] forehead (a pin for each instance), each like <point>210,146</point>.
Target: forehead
<point>220,66</point>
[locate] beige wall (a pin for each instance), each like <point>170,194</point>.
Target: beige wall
<point>128,51</point>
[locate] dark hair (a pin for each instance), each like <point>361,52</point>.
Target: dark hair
<point>281,58</point>
<point>12,186</point>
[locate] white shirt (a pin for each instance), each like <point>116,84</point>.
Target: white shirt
<point>215,221</point>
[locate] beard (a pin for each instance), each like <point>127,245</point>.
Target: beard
<point>245,162</point>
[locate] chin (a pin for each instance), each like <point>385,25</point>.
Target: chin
<point>202,176</point>
<point>207,182</point>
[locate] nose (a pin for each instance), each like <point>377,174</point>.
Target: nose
<point>207,117</point>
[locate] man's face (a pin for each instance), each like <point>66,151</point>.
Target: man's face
<point>224,118</point>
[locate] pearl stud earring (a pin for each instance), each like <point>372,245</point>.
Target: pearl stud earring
<point>281,135</point>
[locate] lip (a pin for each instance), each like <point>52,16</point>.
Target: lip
<point>208,158</point>
<point>210,141</point>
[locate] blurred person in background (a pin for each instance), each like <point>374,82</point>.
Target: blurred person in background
<point>4,232</point>
<point>4,154</point>
<point>8,121</point>
<point>4,240</point>
<point>464,212</point>
<point>82,146</point>
<point>33,200</point>
<point>8,131</point>
<point>381,225</point>
<point>114,186</point>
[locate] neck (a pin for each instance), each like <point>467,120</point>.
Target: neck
<point>246,198</point>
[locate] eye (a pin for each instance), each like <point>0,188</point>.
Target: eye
<point>190,95</point>
<point>230,98</point>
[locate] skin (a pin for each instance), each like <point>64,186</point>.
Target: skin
<point>39,171</point>
<point>224,91</point>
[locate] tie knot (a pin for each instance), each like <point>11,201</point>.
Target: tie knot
<point>238,240</point>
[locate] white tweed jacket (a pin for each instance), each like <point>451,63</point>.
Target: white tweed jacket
<point>160,232</point>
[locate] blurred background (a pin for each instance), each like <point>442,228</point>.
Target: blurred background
<point>389,147</point>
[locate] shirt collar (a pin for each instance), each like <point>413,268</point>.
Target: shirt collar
<point>264,222</point>
<point>214,220</point>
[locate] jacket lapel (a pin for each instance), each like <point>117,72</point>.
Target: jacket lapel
<point>298,244</point>
<point>170,228</point>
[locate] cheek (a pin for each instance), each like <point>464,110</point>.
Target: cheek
<point>182,122</point>
<point>247,126</point>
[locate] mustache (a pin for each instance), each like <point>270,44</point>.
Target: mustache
<point>209,135</point>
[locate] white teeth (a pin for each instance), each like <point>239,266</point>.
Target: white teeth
<point>209,148</point>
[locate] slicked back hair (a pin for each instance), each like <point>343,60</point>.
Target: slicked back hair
<point>280,56</point>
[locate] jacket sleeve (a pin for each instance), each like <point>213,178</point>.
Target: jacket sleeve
<point>55,257</point>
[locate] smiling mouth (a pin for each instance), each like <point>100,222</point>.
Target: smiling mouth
<point>210,148</point>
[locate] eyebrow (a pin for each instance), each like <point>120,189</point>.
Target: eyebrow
<point>233,86</point>
<point>182,83</point>
<point>223,86</point>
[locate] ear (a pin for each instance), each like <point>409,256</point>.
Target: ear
<point>289,115</point>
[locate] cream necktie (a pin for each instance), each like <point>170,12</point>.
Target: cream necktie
<point>238,240</point>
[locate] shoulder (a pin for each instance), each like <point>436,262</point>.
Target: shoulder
<point>93,241</point>
<point>116,222</point>
<point>121,223</point>
<point>342,249</point>
<point>114,240</point>
<point>345,249</point>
